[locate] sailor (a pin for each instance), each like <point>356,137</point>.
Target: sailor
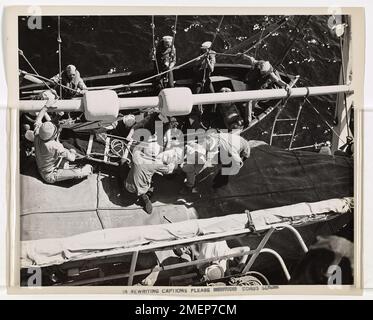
<point>120,127</point>
<point>229,111</point>
<point>229,151</point>
<point>202,71</point>
<point>147,160</point>
<point>52,157</point>
<point>204,68</point>
<point>220,267</point>
<point>165,59</point>
<point>262,74</point>
<point>71,79</point>
<point>195,161</point>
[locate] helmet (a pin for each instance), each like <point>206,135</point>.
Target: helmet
<point>206,45</point>
<point>214,272</point>
<point>47,131</point>
<point>265,66</point>
<point>129,120</point>
<point>225,89</point>
<point>71,68</point>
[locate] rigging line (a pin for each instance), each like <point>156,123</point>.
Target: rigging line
<point>257,48</point>
<point>59,40</point>
<point>154,53</point>
<point>36,73</point>
<point>50,81</point>
<point>326,122</point>
<point>267,35</point>
<point>249,40</point>
<point>343,82</point>
<point>174,32</point>
<point>287,50</point>
<point>217,30</point>
<point>174,68</point>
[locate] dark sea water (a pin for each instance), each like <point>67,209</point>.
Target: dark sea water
<point>101,44</point>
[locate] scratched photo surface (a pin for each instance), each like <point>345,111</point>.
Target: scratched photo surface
<point>186,151</point>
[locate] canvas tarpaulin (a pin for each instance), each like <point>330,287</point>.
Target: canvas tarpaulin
<point>271,177</point>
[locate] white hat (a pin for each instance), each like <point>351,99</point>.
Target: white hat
<point>129,120</point>
<point>168,38</point>
<point>206,45</point>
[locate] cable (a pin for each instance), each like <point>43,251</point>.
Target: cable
<point>36,73</point>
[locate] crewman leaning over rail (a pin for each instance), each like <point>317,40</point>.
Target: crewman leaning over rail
<point>52,157</point>
<point>262,74</point>
<point>72,82</point>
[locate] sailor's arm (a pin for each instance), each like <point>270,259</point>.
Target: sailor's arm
<point>252,61</point>
<point>276,78</point>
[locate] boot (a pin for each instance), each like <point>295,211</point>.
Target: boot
<point>148,207</point>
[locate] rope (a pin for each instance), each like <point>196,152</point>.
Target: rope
<point>174,68</point>
<point>154,47</point>
<point>326,122</point>
<point>217,30</point>
<point>174,32</point>
<point>287,50</point>
<point>36,73</point>
<point>59,40</point>
<point>49,80</point>
<point>343,82</point>
<point>267,35</point>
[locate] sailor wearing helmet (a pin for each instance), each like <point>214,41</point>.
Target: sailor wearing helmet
<point>72,82</point>
<point>204,68</point>
<point>52,157</point>
<point>262,73</point>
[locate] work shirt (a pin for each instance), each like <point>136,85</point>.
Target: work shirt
<point>229,151</point>
<point>48,153</point>
<point>74,84</point>
<point>143,168</point>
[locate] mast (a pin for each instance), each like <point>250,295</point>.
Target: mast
<point>344,103</point>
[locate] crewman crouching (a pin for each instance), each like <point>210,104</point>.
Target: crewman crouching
<point>52,157</point>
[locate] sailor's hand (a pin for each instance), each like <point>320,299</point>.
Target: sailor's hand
<point>73,151</point>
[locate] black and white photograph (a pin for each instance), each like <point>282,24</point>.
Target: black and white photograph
<point>195,152</point>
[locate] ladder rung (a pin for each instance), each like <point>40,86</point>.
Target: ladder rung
<point>282,135</point>
<point>292,119</point>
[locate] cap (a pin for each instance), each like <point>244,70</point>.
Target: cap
<point>47,131</point>
<point>225,89</point>
<point>167,38</point>
<point>71,68</point>
<point>206,45</point>
<point>129,120</point>
<point>265,66</point>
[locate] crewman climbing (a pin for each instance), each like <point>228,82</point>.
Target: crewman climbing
<point>204,69</point>
<point>165,60</point>
<point>52,157</point>
<point>72,82</point>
